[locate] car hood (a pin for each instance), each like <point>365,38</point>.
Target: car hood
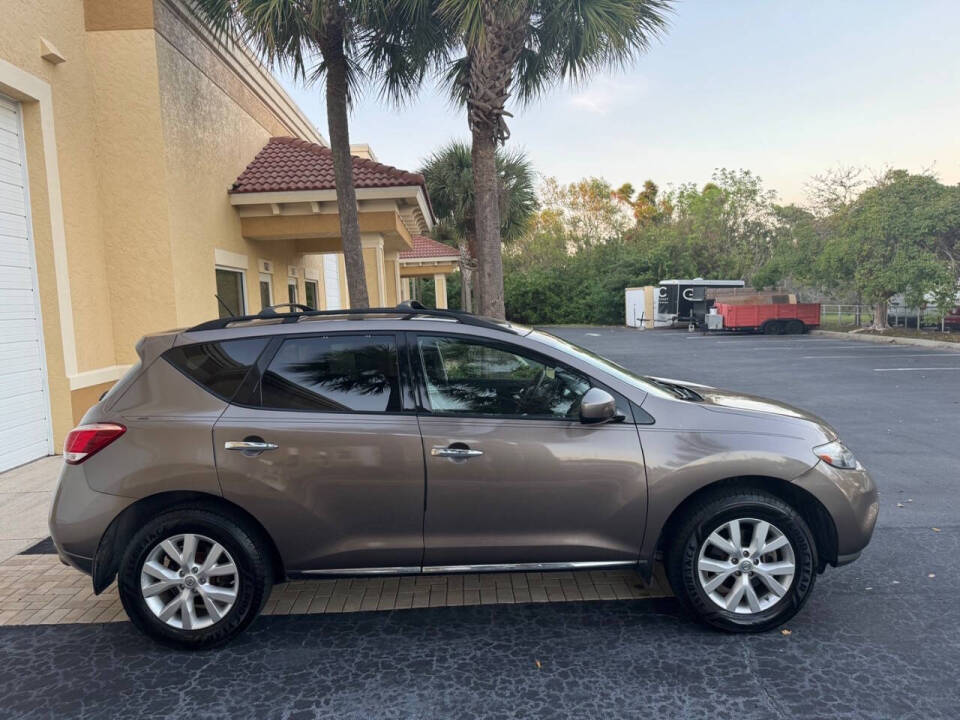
<point>719,400</point>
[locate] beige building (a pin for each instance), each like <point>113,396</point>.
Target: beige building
<point>145,169</point>
<point>428,258</point>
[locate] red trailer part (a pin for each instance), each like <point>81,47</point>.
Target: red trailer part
<point>771,319</point>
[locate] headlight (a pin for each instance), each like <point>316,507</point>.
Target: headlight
<point>837,454</point>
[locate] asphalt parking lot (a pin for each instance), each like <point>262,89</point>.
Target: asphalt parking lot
<point>879,638</point>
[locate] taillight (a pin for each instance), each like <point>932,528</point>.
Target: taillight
<point>87,440</point>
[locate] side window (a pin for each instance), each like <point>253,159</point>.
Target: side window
<point>217,366</point>
<point>347,373</point>
<point>475,378</point>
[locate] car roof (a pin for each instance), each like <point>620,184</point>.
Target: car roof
<point>269,322</point>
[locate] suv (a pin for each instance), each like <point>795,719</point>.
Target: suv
<point>246,451</point>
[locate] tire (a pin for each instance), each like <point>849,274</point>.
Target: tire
<point>209,617</point>
<point>773,327</point>
<point>795,327</point>
<point>690,550</point>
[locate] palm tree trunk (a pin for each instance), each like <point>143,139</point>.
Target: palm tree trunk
<point>339,129</point>
<point>487,208</point>
<point>466,276</point>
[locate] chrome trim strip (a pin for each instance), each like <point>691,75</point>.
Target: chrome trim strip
<point>528,567</point>
<point>496,567</point>
<point>412,570</point>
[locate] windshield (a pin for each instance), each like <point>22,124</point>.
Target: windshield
<point>643,382</point>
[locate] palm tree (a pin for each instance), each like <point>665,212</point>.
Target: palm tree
<point>449,176</point>
<point>520,48</point>
<point>348,36</point>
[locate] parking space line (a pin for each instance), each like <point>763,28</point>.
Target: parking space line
<point>906,369</point>
<point>873,355</point>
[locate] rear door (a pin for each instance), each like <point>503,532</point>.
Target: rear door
<point>513,476</point>
<point>329,459</point>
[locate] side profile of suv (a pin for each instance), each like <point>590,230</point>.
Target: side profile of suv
<point>246,451</point>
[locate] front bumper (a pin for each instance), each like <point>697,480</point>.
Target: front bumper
<point>79,516</point>
<point>850,497</point>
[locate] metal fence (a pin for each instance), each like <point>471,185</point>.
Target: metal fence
<point>851,316</point>
<point>845,315</point>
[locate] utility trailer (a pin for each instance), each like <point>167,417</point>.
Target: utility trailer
<point>770,319</point>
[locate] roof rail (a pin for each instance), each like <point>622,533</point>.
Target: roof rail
<point>408,309</point>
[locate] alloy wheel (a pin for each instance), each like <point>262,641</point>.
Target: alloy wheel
<point>746,565</point>
<point>189,581</point>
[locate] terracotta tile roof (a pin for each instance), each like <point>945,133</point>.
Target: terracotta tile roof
<point>286,164</point>
<point>424,247</point>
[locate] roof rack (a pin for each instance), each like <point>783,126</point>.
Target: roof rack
<point>408,309</point>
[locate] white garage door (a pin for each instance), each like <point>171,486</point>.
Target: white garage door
<point>24,405</point>
<point>331,281</point>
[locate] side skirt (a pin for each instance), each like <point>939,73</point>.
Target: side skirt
<point>455,569</point>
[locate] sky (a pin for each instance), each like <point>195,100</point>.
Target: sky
<point>784,88</point>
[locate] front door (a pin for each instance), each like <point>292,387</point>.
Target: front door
<point>322,452</point>
<point>513,476</point>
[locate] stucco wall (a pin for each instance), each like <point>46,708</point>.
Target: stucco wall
<point>146,147</point>
<point>74,126</point>
<point>133,197</point>
<point>208,139</point>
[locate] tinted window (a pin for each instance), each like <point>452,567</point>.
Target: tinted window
<point>218,366</point>
<point>334,374</point>
<point>470,377</point>
<point>230,292</point>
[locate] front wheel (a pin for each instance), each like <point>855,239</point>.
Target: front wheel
<point>744,561</point>
<point>193,578</point>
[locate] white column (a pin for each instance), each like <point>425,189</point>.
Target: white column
<point>374,241</point>
<point>440,290</point>
<point>405,290</point>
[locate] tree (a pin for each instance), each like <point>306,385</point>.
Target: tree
<point>590,209</point>
<point>895,233</point>
<point>725,229</point>
<point>345,35</point>
<point>449,177</point>
<point>520,48</point>
<point>647,207</point>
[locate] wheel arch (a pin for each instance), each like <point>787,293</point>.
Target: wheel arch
<point>810,508</point>
<point>114,541</point>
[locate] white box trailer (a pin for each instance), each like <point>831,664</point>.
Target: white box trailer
<point>640,306</point>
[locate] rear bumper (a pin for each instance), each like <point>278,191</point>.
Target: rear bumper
<point>83,564</point>
<point>79,516</point>
<point>850,496</point>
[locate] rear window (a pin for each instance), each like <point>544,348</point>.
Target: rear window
<point>217,366</point>
<point>347,373</point>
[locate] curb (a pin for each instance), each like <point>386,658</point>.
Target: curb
<point>882,340</point>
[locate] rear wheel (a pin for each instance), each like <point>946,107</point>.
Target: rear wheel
<point>193,578</point>
<point>795,327</point>
<point>773,327</point>
<point>744,561</point>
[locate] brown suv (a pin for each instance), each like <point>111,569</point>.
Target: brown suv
<point>245,451</point>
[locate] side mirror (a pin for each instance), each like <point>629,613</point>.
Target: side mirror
<point>597,406</point>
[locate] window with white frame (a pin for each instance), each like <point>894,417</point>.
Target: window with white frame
<point>292,289</point>
<point>266,290</point>
<point>231,292</point>
<point>311,292</point>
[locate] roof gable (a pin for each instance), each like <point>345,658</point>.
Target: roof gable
<point>287,164</point>
<point>425,247</point>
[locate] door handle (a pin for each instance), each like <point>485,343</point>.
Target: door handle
<point>249,445</point>
<point>458,453</point>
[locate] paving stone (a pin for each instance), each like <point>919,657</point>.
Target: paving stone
<point>38,589</point>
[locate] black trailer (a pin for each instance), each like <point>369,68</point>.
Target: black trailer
<point>684,302</point>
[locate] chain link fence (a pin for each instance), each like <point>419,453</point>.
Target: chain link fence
<point>834,316</point>
<point>845,316</point>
